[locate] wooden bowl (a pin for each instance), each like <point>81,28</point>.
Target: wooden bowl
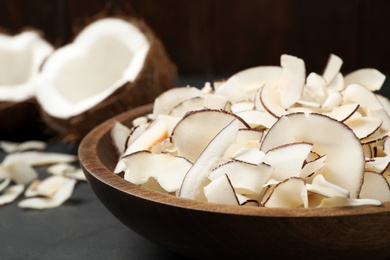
<point>210,231</point>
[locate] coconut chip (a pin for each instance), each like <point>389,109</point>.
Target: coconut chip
<point>57,199</point>
<point>17,170</point>
<point>12,147</point>
<point>11,193</point>
<point>315,141</point>
<point>35,158</point>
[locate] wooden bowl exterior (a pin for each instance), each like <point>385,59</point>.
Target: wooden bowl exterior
<point>212,231</point>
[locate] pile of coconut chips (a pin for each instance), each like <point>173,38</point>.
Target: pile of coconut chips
<point>269,136</point>
<point>19,175</point>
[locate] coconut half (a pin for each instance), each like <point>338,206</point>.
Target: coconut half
<point>112,65</point>
<point>21,57</point>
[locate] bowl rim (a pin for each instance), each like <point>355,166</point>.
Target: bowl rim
<point>92,165</point>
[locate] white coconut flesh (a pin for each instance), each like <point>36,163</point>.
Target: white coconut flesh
<point>325,134</point>
<point>298,141</point>
<point>104,56</point>
<point>20,59</point>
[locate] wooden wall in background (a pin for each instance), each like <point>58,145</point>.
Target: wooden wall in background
<point>224,36</point>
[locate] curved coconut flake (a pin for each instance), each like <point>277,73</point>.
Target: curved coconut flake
<point>383,115</point>
<point>308,104</point>
<point>12,147</point>
<point>358,94</point>
<point>287,160</point>
<point>257,100</point>
<point>370,78</point>
<point>307,110</point>
<point>190,104</point>
<point>21,172</point>
<point>152,184</point>
<point>207,88</point>
<point>284,133</point>
<point>343,112</point>
<point>166,101</point>
<point>4,184</point>
<point>50,185</point>
<point>368,150</point>
<point>241,106</point>
<point>153,134</point>
<point>329,137</point>
<point>213,101</point>
<point>246,138</point>
<point>168,170</point>
<point>384,101</point>
<point>378,164</point>
<point>136,132</point>
<point>246,201</point>
<point>31,190</point>
<point>377,136</point>
<point>250,155</point>
<point>386,146</point>
<point>195,131</point>
<point>221,191</point>
<point>238,86</point>
<point>60,168</point>
<point>365,126</point>
<point>77,174</point>
<point>21,57</point>
<point>375,186</point>
<point>347,202</point>
<point>291,193</point>
<point>257,119</point>
<point>333,100</point>
<point>336,85</point>
<point>191,187</point>
<point>140,121</point>
<point>67,170</point>
<point>62,195</point>
<point>270,99</point>
<point>325,188</point>
<point>244,177</point>
<point>316,87</point>
<point>11,193</point>
<point>332,68</point>
<point>292,80</point>
<point>310,169</point>
<point>170,122</point>
<point>119,135</point>
<point>35,158</point>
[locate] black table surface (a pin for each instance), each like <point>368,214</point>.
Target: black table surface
<point>81,228</point>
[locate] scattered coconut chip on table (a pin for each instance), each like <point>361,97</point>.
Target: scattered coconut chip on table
<point>57,199</point>
<point>18,170</point>
<point>35,158</point>
<point>12,147</point>
<point>11,193</point>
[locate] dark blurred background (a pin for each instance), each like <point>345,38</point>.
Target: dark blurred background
<point>213,37</point>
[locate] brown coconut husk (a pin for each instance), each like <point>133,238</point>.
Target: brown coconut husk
<point>20,121</point>
<point>158,74</point>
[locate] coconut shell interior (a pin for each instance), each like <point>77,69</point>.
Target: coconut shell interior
<point>157,75</point>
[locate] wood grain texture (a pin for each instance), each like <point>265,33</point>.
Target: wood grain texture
<point>225,36</point>
<point>211,231</point>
